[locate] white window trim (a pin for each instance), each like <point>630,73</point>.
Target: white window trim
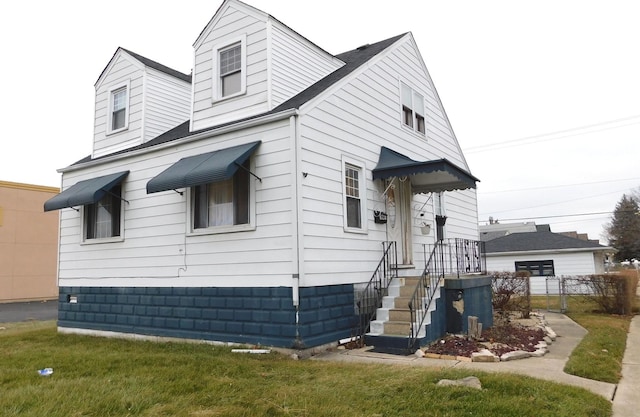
<point>99,240</point>
<point>422,113</point>
<point>127,87</point>
<point>214,230</point>
<point>362,187</point>
<point>217,81</point>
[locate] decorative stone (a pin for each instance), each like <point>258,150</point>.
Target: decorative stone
<point>294,356</point>
<point>516,354</point>
<point>432,355</point>
<point>470,382</point>
<point>541,344</point>
<point>548,340</point>
<point>484,355</point>
<point>419,353</point>
<point>538,353</point>
<point>549,331</point>
<point>463,358</point>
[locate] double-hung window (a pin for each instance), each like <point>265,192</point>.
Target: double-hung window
<point>229,69</point>
<point>354,194</point>
<point>118,108</point>
<point>222,203</point>
<point>102,219</point>
<point>412,109</point>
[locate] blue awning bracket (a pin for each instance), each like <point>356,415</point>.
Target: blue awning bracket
<point>251,173</point>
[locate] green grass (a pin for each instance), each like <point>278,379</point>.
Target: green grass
<point>599,354</point>
<point>108,377</point>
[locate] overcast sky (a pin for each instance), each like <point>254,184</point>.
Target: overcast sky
<point>544,96</point>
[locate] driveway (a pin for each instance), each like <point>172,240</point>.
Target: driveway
<point>35,310</point>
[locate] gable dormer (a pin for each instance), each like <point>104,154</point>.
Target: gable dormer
<point>137,99</point>
<point>246,62</point>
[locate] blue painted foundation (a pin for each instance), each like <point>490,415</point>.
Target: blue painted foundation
<point>473,297</point>
<point>263,316</point>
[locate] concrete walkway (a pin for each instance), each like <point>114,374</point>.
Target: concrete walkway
<point>627,399</point>
<point>625,395</point>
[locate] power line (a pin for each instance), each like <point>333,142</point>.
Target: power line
<point>554,217</point>
<point>558,186</point>
<point>516,142</point>
<point>559,202</point>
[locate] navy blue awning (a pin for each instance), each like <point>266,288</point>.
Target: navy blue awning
<point>426,177</point>
<point>202,169</point>
<point>85,192</point>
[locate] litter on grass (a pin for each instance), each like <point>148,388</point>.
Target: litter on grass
<point>45,371</point>
<point>259,351</point>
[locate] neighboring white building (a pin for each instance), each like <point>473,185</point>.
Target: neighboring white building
<point>545,254</point>
<point>237,204</point>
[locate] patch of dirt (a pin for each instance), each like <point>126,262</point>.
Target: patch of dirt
<point>505,336</point>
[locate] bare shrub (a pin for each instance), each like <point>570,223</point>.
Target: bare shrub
<point>511,292</point>
<point>613,293</point>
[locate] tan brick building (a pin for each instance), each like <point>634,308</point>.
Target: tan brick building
<point>28,243</point>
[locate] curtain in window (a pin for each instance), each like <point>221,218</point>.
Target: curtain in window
<point>221,203</point>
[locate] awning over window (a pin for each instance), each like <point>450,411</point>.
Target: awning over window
<point>202,169</point>
<point>85,192</point>
<point>426,177</point>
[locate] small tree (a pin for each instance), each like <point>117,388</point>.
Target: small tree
<point>624,230</point>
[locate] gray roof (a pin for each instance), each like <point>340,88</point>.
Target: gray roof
<point>538,241</point>
<point>151,64</point>
<point>353,59</point>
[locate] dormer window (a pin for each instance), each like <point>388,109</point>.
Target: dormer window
<point>230,69</point>
<point>118,108</point>
<point>412,109</point>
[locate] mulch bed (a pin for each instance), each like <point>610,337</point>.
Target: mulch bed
<point>501,338</point>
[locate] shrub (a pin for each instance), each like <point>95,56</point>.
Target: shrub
<point>511,292</point>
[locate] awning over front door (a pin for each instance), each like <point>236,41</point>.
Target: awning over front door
<point>85,192</point>
<point>202,169</point>
<point>426,177</point>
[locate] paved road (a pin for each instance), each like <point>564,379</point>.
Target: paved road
<point>35,310</point>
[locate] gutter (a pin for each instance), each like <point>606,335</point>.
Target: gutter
<point>549,251</point>
<point>188,139</point>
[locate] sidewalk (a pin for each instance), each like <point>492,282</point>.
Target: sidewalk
<point>627,399</point>
<point>625,395</point>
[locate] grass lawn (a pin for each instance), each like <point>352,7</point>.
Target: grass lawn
<point>599,355</point>
<point>108,377</point>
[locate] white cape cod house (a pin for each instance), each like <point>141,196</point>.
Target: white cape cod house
<point>253,200</point>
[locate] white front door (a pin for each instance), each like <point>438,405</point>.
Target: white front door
<point>399,221</point>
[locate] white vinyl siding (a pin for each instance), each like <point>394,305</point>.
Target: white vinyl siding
<point>210,108</point>
<point>357,120</point>
<point>156,250</point>
<point>155,103</point>
<point>295,64</point>
<point>565,264</point>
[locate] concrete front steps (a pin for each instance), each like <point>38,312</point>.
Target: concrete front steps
<point>391,330</point>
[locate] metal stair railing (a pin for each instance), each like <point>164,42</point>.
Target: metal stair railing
<point>370,299</point>
<point>453,257</point>
<point>425,289</point>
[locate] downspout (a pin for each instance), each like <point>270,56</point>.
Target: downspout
<point>296,209</point>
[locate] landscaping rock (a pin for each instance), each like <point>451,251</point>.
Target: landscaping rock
<point>470,382</point>
<point>516,354</point>
<point>484,355</point>
<point>549,331</point>
<point>419,353</point>
<point>539,353</point>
